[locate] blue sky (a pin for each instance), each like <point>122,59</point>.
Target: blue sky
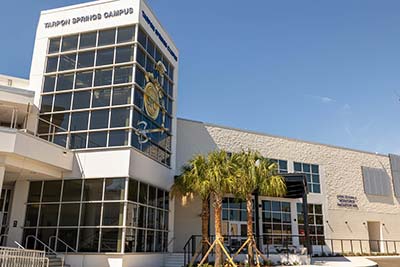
<point>323,71</point>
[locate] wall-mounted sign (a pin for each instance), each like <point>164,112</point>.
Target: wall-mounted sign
<point>87,18</point>
<point>346,201</point>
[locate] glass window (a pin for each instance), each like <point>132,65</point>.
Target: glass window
<point>90,214</point>
<point>48,215</point>
<point>88,239</point>
<point>111,240</point>
<point>52,63</point>
<point>106,37</point>
<point>126,34</point>
<point>121,96</point>
<point>79,121</point>
<point>142,37</point>
<point>105,57</point>
<point>97,139</point>
<point>133,190</point>
<point>113,213</point>
<point>143,193</point>
<point>54,45</point>
<point>72,190</point>
<point>67,62</point>
<point>124,54</point>
<point>43,125</point>
<point>32,213</point>
<point>69,43</point>
<point>85,59</point>
<point>142,215</point>
<point>51,191</point>
<point>160,198</point>
<point>152,196</point>
<point>83,79</point>
<point>49,82</point>
<point>103,77</point>
<point>101,97</point>
<point>139,77</point>
<point>68,236</point>
<point>99,119</point>
<point>119,117</point>
<point>47,103</point>
<point>62,102</point>
<point>35,190</point>
<point>88,40</point>
<point>140,57</point>
<point>150,47</point>
<point>123,74</point>
<point>118,138</point>
<point>114,189</point>
<point>61,120</point>
<point>81,100</point>
<point>93,189</point>
<point>69,214</point>
<point>78,140</point>
<point>65,81</point>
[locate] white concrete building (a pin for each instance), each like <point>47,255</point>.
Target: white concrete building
<point>90,145</point>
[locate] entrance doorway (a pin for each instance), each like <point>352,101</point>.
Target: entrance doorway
<point>374,236</point>
<point>237,231</point>
<point>5,203</point>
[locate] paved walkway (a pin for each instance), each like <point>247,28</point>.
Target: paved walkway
<point>344,262</point>
<point>387,261</point>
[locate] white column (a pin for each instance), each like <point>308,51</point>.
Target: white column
<point>2,174</point>
<point>17,215</point>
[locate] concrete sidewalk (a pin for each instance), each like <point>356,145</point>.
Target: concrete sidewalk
<point>344,262</point>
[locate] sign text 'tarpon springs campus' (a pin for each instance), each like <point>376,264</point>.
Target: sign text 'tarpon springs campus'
<point>87,18</point>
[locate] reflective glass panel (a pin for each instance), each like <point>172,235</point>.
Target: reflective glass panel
<point>124,54</point>
<point>83,79</point>
<point>81,100</point>
<point>121,96</point>
<point>106,37</point>
<point>78,140</point>
<point>101,97</point>
<point>118,138</point>
<point>61,120</point>
<point>79,121</point>
<point>46,104</point>
<point>105,57</point>
<point>114,189</point>
<point>48,215</point>
<point>52,64</point>
<point>69,214</point>
<point>90,214</point>
<point>113,213</point>
<point>126,34</point>
<point>103,77</point>
<point>111,240</point>
<point>119,117</point>
<point>65,81</point>
<point>69,43</point>
<point>49,82</point>
<point>88,239</point>
<point>93,189</point>
<point>67,62</point>
<point>99,119</point>
<point>97,139</point>
<point>54,45</point>
<point>85,59</point>
<point>32,212</point>
<point>51,191</point>
<point>87,40</point>
<point>72,190</point>
<point>35,190</point>
<point>62,102</point>
<point>123,74</point>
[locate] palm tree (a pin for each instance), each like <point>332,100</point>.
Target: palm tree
<point>194,180</point>
<point>255,172</point>
<point>220,172</point>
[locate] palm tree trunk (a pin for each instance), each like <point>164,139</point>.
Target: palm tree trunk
<point>218,229</point>
<point>205,216</point>
<point>249,206</point>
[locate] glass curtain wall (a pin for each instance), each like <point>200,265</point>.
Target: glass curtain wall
<point>88,215</point>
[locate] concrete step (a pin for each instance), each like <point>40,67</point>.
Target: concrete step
<point>174,260</point>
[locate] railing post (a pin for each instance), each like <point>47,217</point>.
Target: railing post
<point>395,247</point>
<point>351,245</point>
<point>362,252</point>
<point>333,251</point>
<point>193,245</point>
<point>387,247</point>
<point>341,245</point>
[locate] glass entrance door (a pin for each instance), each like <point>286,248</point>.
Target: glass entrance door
<point>237,234</point>
<point>5,203</point>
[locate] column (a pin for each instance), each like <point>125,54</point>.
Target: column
<point>17,215</point>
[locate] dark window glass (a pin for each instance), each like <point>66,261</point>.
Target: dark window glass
<point>126,34</point>
<point>90,214</point>
<point>150,241</point>
<point>111,240</point>
<point>72,190</point>
<point>99,119</point>
<point>114,189</point>
<point>47,102</point>
<point>113,213</point>
<point>97,139</point>
<point>35,190</point>
<point>152,196</point>
<point>81,100</point>
<point>123,74</point>
<point>306,167</point>
<point>44,234</point>
<point>88,40</point>
<point>79,121</point>
<point>78,141</point>
<point>158,56</point>
<point>43,125</point>
<point>150,65</point>
<point>49,82</point>
<point>131,215</point>
<point>143,193</point>
<point>85,59</point>
<point>60,139</point>
<point>69,43</point>
<point>52,64</point>
<point>133,190</point>
<point>105,57</point>
<point>138,98</point>
<point>32,212</point>
<point>160,198</point>
<point>119,117</point>
<point>151,213</point>
<point>103,77</point>
<point>142,215</point>
<point>62,102</point>
<point>139,77</point>
<point>106,37</point>
<point>48,215</point>
<point>65,81</point>
<point>67,61</point>
<point>88,239</point>
<point>121,96</point>
<point>51,191</point>
<point>101,97</point>
<point>315,168</point>
<point>54,45</point>
<point>150,47</point>
<point>124,54</point>
<point>118,138</point>
<point>142,37</point>
<point>68,236</point>
<point>171,89</point>
<point>141,240</point>
<point>93,189</point>
<point>83,79</point>
<point>297,167</point>
<point>130,240</point>
<point>69,215</point>
<point>61,120</point>
<point>140,57</point>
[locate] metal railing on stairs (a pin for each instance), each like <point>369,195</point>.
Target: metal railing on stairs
<point>11,257</point>
<point>58,240</point>
<point>47,250</point>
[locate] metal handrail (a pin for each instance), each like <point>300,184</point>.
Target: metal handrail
<point>62,242</point>
<point>19,245</point>
<point>45,246</point>
<point>23,257</point>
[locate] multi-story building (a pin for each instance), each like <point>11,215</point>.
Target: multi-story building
<point>90,145</point>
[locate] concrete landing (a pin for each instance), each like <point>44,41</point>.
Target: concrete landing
<point>344,262</point>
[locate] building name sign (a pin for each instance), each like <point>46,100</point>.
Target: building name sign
<point>160,37</point>
<point>88,18</point>
<point>347,201</point>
